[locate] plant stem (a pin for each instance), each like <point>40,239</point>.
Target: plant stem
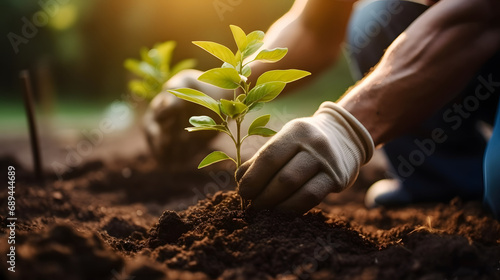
<point>238,143</point>
<point>238,155</point>
<point>239,120</point>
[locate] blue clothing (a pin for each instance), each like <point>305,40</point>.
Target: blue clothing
<point>443,157</point>
<point>492,171</point>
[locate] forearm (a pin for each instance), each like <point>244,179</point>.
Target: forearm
<point>426,67</point>
<point>312,31</point>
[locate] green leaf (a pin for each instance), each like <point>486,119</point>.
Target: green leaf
<point>239,37</point>
<point>227,78</point>
<point>140,88</point>
<point>197,97</point>
<point>227,65</point>
<point>151,71</point>
<point>241,97</point>
<point>199,121</point>
<point>154,68</point>
<point>256,35</point>
<point>143,69</point>
<point>247,71</point>
<point>182,65</point>
<point>133,66</point>
<point>213,158</point>
<point>264,92</point>
<point>273,55</point>
<point>254,42</point>
<point>251,49</point>
<point>259,122</point>
<point>257,127</point>
<point>286,76</point>
<point>262,131</point>
<point>155,57</point>
<point>255,107</point>
<point>232,108</point>
<point>219,128</point>
<point>221,52</point>
<point>238,58</point>
<point>145,55</point>
<point>162,55</point>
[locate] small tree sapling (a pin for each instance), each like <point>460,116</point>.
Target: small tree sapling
<point>233,75</point>
<point>154,69</point>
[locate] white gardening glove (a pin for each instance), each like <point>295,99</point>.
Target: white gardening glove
<point>167,116</point>
<point>306,160</point>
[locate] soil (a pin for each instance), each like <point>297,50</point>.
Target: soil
<point>131,219</point>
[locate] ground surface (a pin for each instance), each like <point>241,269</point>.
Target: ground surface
<point>130,219</point>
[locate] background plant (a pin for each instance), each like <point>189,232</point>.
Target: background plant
<point>154,69</point>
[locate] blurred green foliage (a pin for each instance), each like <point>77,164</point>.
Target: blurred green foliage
<point>154,69</point>
<point>83,43</point>
<point>77,57</point>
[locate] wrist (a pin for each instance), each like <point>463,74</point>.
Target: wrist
<point>331,114</point>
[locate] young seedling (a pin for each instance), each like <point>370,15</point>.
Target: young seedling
<point>154,69</point>
<point>233,75</point>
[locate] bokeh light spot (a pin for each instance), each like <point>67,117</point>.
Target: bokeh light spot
<point>64,18</point>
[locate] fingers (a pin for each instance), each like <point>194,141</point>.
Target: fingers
<point>265,165</point>
<point>162,105</point>
<point>298,171</point>
<point>310,195</point>
<point>243,168</point>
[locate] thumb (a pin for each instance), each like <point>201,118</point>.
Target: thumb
<point>242,170</point>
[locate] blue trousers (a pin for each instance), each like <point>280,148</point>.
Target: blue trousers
<point>454,164</point>
<point>492,171</point>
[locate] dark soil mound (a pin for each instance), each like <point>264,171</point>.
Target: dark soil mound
<point>217,238</point>
<point>62,253</point>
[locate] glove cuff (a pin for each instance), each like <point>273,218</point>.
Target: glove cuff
<point>352,125</point>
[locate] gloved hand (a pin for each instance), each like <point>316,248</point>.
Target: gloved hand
<point>309,158</point>
<point>167,116</point>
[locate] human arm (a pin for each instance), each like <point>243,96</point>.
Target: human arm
<point>421,71</point>
<point>313,31</point>
<point>425,67</point>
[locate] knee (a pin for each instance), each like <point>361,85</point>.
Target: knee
<point>373,26</point>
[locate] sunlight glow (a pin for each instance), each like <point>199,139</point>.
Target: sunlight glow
<point>65,18</point>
